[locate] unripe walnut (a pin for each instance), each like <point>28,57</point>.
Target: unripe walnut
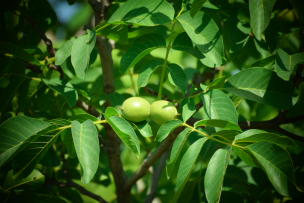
<point>135,109</point>
<point>163,111</point>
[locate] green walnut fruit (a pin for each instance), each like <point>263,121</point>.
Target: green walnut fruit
<point>135,109</point>
<point>163,111</point>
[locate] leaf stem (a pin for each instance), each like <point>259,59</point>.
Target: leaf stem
<point>165,64</point>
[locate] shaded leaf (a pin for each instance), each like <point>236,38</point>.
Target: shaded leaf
<point>33,181</point>
<point>86,143</point>
<point>225,135</point>
<point>146,72</point>
<point>177,76</point>
<point>266,62</point>
<point>276,162</point>
<point>15,51</point>
<point>205,34</point>
<point>63,87</point>
<point>217,105</point>
<point>81,51</point>
<point>143,12</point>
<point>217,83</point>
<point>166,129</point>
<point>196,6</point>
<point>27,91</point>
<point>260,13</point>
<point>35,198</point>
<point>176,149</point>
<point>64,51</point>
<point>16,133</point>
<point>116,99</point>
<point>218,123</point>
<point>126,133</point>
<point>238,33</point>
<point>141,47</point>
<point>261,85</point>
<point>215,173</point>
<point>236,100</point>
<point>284,63</point>
<point>186,166</point>
<point>246,156</point>
<point>67,139</point>
<point>8,93</point>
<point>25,161</point>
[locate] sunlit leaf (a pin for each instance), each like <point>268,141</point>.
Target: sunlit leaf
<point>217,83</point>
<point>86,143</point>
<point>215,173</point>
<point>186,166</point>
<point>188,110</point>
<point>245,156</point>
<point>236,100</point>
<point>166,129</point>
<point>116,32</point>
<point>261,85</point>
<point>81,51</point>
<point>196,6</point>
<point>260,13</point>
<point>64,51</point>
<point>176,149</point>
<point>143,12</point>
<point>143,128</point>
<point>126,133</point>
<point>218,123</point>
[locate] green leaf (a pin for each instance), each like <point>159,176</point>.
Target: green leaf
<point>284,63</point>
<point>238,33</point>
<point>217,105</point>
<point>8,93</point>
<point>236,100</point>
<point>251,136</point>
<point>15,51</point>
<point>262,47</point>
<point>65,51</point>
<point>34,181</point>
<point>116,99</point>
<point>86,143</point>
<point>260,13</point>
<point>261,85</point>
<point>166,129</point>
<point>266,62</point>
<point>146,72</point>
<point>246,156</point>
<point>25,161</point>
<point>186,166</point>
<point>141,47</point>
<point>217,83</point>
<point>15,134</point>
<point>276,162</point>
<point>143,12</point>
<point>205,34</point>
<point>126,133</point>
<point>83,117</point>
<point>177,76</point>
<point>298,5</point>
<point>196,6</point>
<point>110,111</point>
<point>183,43</point>
<point>176,149</point>
<point>27,91</point>
<point>188,110</point>
<point>103,99</point>
<point>218,123</point>
<point>35,198</point>
<point>81,51</point>
<point>67,139</point>
<point>225,135</point>
<point>59,122</point>
<point>143,128</point>
<point>63,87</point>
<point>118,32</point>
<point>215,173</point>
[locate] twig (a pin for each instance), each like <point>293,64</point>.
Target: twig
<point>81,189</point>
<point>155,177</point>
<point>87,108</point>
<point>152,92</point>
<point>32,67</point>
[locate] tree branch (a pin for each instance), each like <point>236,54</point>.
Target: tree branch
<point>149,161</point>
<point>155,177</point>
<point>87,108</point>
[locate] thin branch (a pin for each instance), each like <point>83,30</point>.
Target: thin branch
<point>32,67</point>
<point>87,108</point>
<point>149,161</point>
<point>81,189</point>
<point>155,177</point>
